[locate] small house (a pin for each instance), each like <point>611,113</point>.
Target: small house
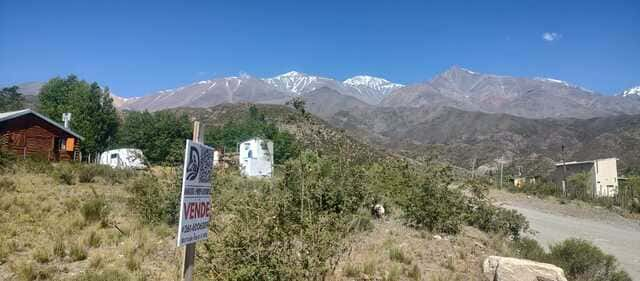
<point>123,158</point>
<point>603,175</point>
<point>27,133</point>
<point>256,158</point>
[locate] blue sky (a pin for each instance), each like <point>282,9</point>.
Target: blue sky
<point>136,47</point>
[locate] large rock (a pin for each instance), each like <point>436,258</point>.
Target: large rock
<point>512,269</point>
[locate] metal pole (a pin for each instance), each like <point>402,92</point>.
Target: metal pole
<point>501,168</point>
<point>564,175</point>
<point>188,263</point>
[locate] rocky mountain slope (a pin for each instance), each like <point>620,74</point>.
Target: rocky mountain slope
<point>275,90</point>
<point>459,136</point>
<point>525,97</point>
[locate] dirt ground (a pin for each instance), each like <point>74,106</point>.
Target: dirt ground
<point>554,222</point>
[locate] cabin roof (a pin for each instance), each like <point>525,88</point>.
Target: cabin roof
<point>15,114</point>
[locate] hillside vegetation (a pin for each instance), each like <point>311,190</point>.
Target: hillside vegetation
<point>311,221</point>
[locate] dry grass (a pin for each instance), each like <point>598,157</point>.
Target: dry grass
<point>392,251</point>
<point>46,234</point>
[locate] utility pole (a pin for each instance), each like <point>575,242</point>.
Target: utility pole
<point>564,174</point>
<point>501,168</point>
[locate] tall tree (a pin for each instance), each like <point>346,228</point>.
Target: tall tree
<point>11,99</point>
<point>160,135</point>
<point>92,112</point>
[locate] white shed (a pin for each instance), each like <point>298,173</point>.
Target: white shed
<point>256,158</point>
<point>123,158</point>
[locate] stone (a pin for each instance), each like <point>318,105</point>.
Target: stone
<point>512,269</point>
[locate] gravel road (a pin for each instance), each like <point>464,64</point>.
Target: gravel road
<point>554,222</point>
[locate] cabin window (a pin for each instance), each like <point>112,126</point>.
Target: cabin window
<point>114,156</point>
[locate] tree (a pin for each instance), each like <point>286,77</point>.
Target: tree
<point>11,99</point>
<point>160,135</point>
<point>91,107</point>
<point>253,125</point>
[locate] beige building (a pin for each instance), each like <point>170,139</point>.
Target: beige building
<point>603,173</point>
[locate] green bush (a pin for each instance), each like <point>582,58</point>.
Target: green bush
<point>65,175</point>
<point>154,201</point>
<point>289,228</point>
<point>528,248</point>
<point>95,209</point>
<point>496,220</point>
<point>7,184</point>
<point>7,160</point>
<point>87,173</point>
<point>254,124</point>
<point>77,252</point>
<point>581,260</point>
<point>111,175</point>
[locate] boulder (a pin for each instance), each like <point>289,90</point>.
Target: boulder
<point>511,269</point>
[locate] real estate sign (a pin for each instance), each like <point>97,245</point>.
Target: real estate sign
<point>195,201</point>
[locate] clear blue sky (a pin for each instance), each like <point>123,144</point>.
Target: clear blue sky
<point>136,47</point>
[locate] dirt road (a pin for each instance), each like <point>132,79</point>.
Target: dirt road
<point>554,222</point>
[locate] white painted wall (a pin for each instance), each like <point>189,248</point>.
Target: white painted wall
<point>256,158</point>
<point>606,171</point>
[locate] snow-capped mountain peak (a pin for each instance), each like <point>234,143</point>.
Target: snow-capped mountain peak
<point>294,81</point>
<point>370,81</point>
<point>366,83</point>
<point>635,91</point>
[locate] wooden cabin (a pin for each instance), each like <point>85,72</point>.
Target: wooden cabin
<point>27,133</point>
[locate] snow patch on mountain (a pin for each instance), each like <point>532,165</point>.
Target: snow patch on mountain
<point>295,82</point>
<point>367,83</point>
<point>553,81</point>
<point>635,91</point>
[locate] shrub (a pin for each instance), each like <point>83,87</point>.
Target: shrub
<point>93,239</point>
<point>77,252</point>
<point>415,273</point>
<point>7,160</point>
<point>87,173</point>
<point>42,255</point>
<point>155,202</point>
<point>397,255</point>
<point>65,175</point>
<point>436,208</point>
<point>581,260</point>
<point>352,270</point>
<point>95,209</point>
<point>59,249</point>
<point>7,184</point>
<point>497,220</point>
<point>528,248</point>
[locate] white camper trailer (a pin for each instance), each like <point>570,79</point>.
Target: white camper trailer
<point>256,158</point>
<point>124,158</point>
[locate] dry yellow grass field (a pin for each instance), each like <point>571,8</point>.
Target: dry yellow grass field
<point>45,236</point>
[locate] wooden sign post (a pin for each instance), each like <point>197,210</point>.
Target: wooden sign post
<point>195,200</point>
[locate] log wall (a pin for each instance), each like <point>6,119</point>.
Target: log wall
<point>30,136</point>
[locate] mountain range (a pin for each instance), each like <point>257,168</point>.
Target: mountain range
<point>456,87</point>
<point>457,116</point>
